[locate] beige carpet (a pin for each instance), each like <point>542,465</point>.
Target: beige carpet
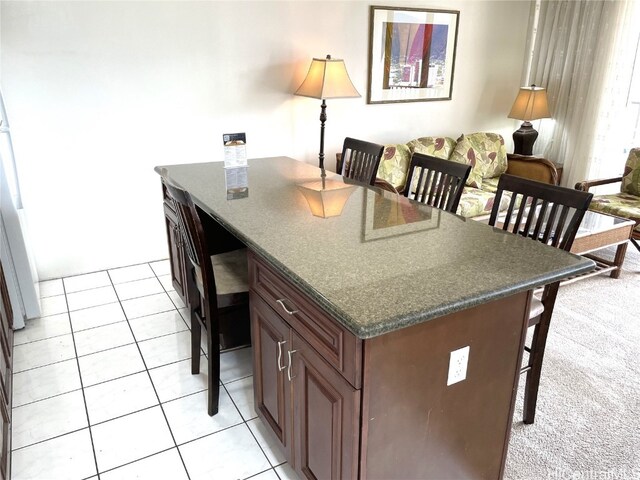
<point>588,417</point>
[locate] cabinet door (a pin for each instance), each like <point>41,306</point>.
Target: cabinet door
<point>5,432</point>
<point>176,256</point>
<point>270,337</point>
<point>326,417</point>
<point>5,351</point>
<point>6,362</point>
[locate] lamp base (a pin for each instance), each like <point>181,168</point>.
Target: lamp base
<point>524,138</point>
<point>323,118</point>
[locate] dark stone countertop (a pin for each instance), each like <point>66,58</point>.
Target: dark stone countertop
<point>385,263</point>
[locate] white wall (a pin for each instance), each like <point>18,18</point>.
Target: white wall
<point>101,92</point>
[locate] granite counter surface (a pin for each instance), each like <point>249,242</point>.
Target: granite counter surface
<point>385,263</point>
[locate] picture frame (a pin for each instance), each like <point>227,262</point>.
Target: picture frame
<point>411,54</point>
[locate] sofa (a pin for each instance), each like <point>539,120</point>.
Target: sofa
<point>486,153</point>
<point>625,203</point>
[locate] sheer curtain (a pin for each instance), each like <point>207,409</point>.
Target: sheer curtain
<point>582,52</point>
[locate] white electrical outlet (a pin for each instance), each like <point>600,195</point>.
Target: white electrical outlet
<point>458,361</point>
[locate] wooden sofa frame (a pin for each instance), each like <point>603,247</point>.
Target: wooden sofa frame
<point>533,168</point>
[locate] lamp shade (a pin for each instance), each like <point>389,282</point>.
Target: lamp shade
<point>531,104</point>
<point>327,78</point>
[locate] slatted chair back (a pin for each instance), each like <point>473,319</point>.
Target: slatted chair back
<point>552,215</point>
<point>548,213</point>
<point>360,160</point>
<point>436,182</point>
<point>195,243</point>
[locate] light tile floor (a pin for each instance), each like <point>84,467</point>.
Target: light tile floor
<point>102,388</point>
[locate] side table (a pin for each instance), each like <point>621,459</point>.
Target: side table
<point>597,231</point>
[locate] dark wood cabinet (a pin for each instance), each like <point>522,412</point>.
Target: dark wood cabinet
<point>298,394</point>
<point>344,407</point>
<point>176,249</point>
<point>326,419</point>
<point>6,364</point>
<point>271,340</point>
<point>306,384</point>
<point>310,406</point>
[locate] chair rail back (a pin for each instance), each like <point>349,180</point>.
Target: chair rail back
<point>547,213</point>
<point>360,160</point>
<point>195,243</point>
<point>440,182</point>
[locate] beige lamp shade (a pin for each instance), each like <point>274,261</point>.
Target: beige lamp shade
<point>531,104</point>
<point>327,78</point>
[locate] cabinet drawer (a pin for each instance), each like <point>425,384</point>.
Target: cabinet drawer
<point>339,347</point>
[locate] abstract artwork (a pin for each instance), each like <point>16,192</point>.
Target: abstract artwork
<point>411,54</point>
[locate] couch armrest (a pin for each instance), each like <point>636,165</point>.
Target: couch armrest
<point>533,168</point>
<point>587,184</point>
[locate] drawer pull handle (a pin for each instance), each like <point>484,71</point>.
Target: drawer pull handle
<point>290,352</point>
<point>290,312</point>
<point>280,366</point>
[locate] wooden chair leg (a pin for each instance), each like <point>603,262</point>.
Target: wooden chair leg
<point>196,329</point>
<point>196,336</point>
<point>635,244</point>
<point>532,381</point>
<point>538,344</point>
<point>213,380</point>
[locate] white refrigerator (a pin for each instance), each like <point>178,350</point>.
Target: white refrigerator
<point>17,262</point>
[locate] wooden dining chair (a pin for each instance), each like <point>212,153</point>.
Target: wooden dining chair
<point>436,182</point>
<point>360,160</point>
<point>219,282</point>
<point>552,215</point>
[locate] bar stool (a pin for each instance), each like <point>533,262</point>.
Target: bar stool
<point>220,282</point>
<point>552,215</point>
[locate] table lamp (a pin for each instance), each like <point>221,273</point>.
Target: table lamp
<point>327,78</point>
<point>530,104</point>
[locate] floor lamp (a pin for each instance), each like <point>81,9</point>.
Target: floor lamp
<point>327,78</point>
<point>530,104</point>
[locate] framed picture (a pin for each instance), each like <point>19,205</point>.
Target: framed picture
<point>411,54</point>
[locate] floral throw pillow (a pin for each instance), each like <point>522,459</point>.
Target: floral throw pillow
<point>486,154</point>
<point>439,147</point>
<point>395,164</point>
<point>631,178</point>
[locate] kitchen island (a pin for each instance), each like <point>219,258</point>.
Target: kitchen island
<point>355,318</point>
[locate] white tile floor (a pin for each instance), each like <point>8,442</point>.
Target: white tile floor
<point>102,389</point>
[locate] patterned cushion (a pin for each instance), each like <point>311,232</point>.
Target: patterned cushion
<point>490,184</point>
<point>439,147</point>
<point>631,179</point>
<point>619,204</point>
<point>485,152</point>
<point>394,165</point>
<point>475,202</point>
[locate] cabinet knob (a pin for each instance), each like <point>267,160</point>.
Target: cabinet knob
<point>281,302</point>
